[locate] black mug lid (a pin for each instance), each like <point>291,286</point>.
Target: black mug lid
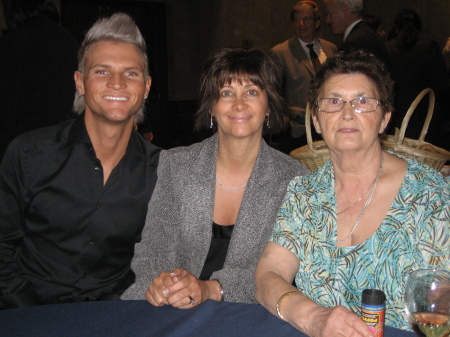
<point>373,296</point>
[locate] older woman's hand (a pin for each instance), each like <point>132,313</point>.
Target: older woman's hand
<point>337,321</point>
<point>179,289</point>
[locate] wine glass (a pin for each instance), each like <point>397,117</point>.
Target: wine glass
<point>427,300</point>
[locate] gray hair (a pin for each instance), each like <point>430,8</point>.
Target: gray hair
<point>355,6</point>
<point>118,28</point>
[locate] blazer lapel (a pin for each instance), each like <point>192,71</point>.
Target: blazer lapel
<point>326,49</point>
<point>201,186</point>
<point>297,50</point>
<point>246,232</point>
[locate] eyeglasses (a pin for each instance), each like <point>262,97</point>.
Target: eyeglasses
<point>360,104</point>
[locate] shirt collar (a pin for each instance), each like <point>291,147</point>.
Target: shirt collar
<point>349,28</point>
<point>305,48</point>
<point>78,135</point>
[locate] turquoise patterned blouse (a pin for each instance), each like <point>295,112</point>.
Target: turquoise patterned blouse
<point>415,234</point>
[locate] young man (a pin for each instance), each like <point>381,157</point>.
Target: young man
<point>73,197</point>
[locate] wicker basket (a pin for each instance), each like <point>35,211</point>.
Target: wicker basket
<point>312,155</point>
<point>417,149</point>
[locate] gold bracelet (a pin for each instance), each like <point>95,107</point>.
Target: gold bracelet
<point>289,293</point>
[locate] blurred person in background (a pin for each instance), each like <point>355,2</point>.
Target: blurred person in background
<point>418,64</point>
<point>299,65</point>
<point>346,18</point>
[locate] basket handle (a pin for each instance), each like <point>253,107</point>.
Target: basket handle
<point>399,138</point>
<point>308,129</point>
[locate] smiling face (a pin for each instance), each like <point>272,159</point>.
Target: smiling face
<point>348,130</point>
<point>113,82</point>
<point>240,110</point>
<point>305,25</point>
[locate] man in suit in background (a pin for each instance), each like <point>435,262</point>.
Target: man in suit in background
<point>346,18</point>
<point>300,57</point>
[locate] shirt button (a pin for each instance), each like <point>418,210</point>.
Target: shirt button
<point>91,242</point>
<point>97,168</point>
<point>97,206</point>
<point>84,276</point>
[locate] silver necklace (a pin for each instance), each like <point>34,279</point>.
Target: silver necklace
<point>367,202</point>
<point>229,188</point>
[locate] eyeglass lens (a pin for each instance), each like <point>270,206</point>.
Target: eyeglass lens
<point>360,104</point>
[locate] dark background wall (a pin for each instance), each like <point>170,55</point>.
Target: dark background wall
<point>181,33</point>
<point>196,27</point>
<point>194,30</point>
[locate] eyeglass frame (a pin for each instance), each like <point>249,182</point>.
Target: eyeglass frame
<point>379,103</point>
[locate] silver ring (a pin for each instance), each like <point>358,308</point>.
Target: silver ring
<point>192,300</point>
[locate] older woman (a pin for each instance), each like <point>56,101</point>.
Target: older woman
<point>215,202</point>
<point>366,219</point>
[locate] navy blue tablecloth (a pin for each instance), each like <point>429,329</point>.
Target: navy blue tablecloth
<point>139,319</point>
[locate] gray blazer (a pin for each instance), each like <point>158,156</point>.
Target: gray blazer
<point>178,228</point>
<point>297,75</point>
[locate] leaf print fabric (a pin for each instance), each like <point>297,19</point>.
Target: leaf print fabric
<point>415,234</point>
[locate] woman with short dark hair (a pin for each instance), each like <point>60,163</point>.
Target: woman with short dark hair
<point>364,220</point>
<point>215,202</point>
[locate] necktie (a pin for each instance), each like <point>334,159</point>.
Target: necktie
<point>314,58</point>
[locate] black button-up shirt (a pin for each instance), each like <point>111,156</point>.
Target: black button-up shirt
<point>64,236</point>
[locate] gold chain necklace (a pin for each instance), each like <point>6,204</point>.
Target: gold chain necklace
<point>367,202</point>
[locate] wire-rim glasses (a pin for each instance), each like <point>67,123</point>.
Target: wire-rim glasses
<point>359,104</point>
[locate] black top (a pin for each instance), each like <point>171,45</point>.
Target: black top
<point>221,236</point>
<point>64,236</point>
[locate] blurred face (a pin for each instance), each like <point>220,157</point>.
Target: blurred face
<point>241,110</point>
<point>304,25</point>
<point>337,16</point>
<point>348,130</point>
<point>381,33</point>
<point>113,82</point>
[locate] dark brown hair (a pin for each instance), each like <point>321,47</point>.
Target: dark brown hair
<point>228,65</point>
<point>355,62</point>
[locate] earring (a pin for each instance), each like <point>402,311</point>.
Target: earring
<point>267,122</point>
<point>212,124</point>
<point>382,129</point>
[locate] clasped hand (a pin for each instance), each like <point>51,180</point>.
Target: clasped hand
<point>178,288</point>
